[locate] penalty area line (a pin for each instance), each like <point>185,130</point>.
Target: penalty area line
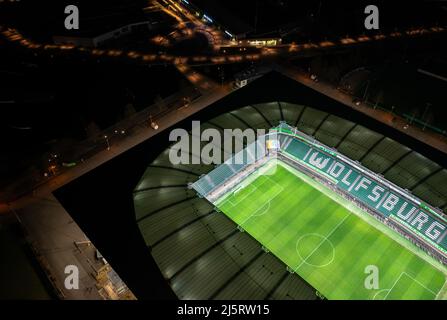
<point>419,283</point>
<point>403,273</point>
<point>394,284</point>
<point>443,289</point>
<point>256,212</point>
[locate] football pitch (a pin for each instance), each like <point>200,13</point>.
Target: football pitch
<point>328,241</point>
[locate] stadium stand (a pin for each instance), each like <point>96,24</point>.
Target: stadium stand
<point>203,255</point>
<point>412,216</point>
<point>229,168</point>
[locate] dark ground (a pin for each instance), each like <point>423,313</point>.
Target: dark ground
<point>20,274</point>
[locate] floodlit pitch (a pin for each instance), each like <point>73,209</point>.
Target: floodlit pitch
<point>327,240</point>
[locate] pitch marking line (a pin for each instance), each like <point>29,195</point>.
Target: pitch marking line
<point>273,182</point>
<point>231,195</point>
<point>379,292</point>
<point>252,187</point>
<point>321,243</point>
<point>255,213</point>
<point>419,283</point>
<point>258,212</point>
<point>394,284</point>
<point>441,290</point>
<point>412,278</point>
<point>324,239</point>
<point>243,186</point>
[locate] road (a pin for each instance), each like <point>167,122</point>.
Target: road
<point>132,139</point>
<point>222,56</point>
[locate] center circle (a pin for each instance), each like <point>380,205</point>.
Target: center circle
<point>315,250</point>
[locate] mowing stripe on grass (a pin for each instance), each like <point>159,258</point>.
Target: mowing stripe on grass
<point>294,205</point>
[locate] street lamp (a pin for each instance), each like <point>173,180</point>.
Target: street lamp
<point>153,124</point>
<point>107,141</point>
<point>52,169</point>
<point>365,95</point>
<point>186,102</point>
<point>427,106</point>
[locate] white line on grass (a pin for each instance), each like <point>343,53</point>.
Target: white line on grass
<point>414,280</point>
<point>423,286</point>
<point>321,243</point>
<point>441,290</point>
<point>324,238</point>
<point>379,292</point>
<point>394,284</point>
<point>274,183</point>
<point>231,195</point>
<point>397,281</point>
<point>256,212</point>
<point>238,200</point>
<point>244,184</point>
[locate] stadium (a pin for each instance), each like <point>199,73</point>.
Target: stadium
<point>252,240</point>
<point>328,196</point>
<point>255,201</point>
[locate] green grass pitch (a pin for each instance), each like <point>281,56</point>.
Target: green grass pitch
<point>323,238</point>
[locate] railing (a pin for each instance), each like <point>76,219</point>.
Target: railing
<point>410,119</point>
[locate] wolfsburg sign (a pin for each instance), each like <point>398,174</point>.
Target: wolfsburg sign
<point>371,190</point>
